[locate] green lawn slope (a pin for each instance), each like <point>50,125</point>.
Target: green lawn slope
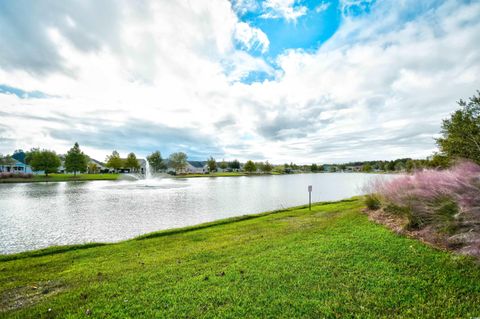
<point>330,262</point>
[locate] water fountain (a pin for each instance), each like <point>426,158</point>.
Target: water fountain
<point>148,171</point>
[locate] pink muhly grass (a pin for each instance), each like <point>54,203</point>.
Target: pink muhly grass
<point>432,196</point>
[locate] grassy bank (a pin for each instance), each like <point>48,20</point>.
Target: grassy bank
<point>330,262</point>
<point>61,178</point>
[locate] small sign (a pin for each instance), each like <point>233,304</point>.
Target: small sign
<point>310,188</point>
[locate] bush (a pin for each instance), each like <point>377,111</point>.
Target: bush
<point>5,175</point>
<point>372,202</point>
<point>449,199</point>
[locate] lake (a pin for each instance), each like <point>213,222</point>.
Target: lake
<point>38,215</point>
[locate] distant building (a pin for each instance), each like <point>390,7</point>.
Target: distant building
<point>141,162</point>
<point>16,167</point>
<point>195,167</point>
<point>353,168</point>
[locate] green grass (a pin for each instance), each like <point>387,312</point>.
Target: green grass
<point>61,178</point>
<point>330,262</point>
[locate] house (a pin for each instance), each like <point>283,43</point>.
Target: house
<point>99,166</point>
<point>329,168</point>
<point>16,167</point>
<point>354,168</point>
<point>142,169</point>
<point>196,167</point>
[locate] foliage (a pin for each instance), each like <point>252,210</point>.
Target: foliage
<point>367,168</point>
<point>76,160</point>
<point>250,167</point>
<point>314,168</point>
<point>442,199</point>
<point>132,162</point>
<point>212,164</point>
<point>267,167</point>
<point>6,175</point>
<point>114,161</point>
<point>19,155</point>
<point>438,161</point>
<point>461,132</point>
<point>6,160</point>
<point>372,202</point>
<point>92,168</point>
<point>235,164</point>
<point>223,165</point>
<point>45,160</point>
<point>29,155</point>
<point>178,161</point>
<point>330,262</point>
<point>156,161</point>
<point>410,166</point>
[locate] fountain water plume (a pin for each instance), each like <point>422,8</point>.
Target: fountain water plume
<point>148,171</point>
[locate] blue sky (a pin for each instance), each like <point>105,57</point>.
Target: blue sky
<point>283,80</point>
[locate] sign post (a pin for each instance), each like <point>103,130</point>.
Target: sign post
<point>309,197</point>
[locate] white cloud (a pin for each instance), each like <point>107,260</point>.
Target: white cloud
<point>164,75</point>
<point>286,9</point>
<point>323,6</point>
<point>252,38</point>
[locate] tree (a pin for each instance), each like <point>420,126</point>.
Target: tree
<point>390,166</point>
<point>178,161</point>
<point>461,132</point>
<point>250,167</point>
<point>45,160</point>
<point>212,164</point>
<point>410,166</point>
<point>19,155</point>
<point>132,162</point>
<point>314,168</point>
<point>75,160</point>
<point>114,161</point>
<point>223,165</point>
<point>29,155</point>
<point>6,160</point>
<point>267,167</point>
<point>399,166</point>
<point>439,161</point>
<point>235,164</point>
<point>367,168</point>
<point>156,161</point>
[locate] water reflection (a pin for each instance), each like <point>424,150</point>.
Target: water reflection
<point>38,215</point>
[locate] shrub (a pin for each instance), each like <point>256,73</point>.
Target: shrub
<point>372,202</point>
<point>5,175</point>
<point>448,200</point>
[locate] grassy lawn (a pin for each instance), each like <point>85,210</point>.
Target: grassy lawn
<point>62,178</point>
<point>330,262</point>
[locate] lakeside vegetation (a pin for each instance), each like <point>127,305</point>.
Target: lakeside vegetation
<point>439,206</point>
<point>328,262</point>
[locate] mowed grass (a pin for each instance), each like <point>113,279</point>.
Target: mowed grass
<point>62,178</point>
<point>331,262</point>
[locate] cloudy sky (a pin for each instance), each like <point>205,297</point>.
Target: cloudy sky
<point>284,80</point>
